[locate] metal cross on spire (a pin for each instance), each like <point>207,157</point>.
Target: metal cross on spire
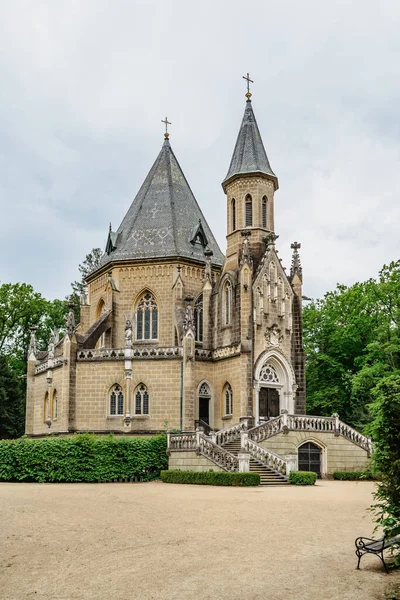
<point>166,134</point>
<point>247,78</point>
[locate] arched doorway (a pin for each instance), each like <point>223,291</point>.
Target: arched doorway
<point>268,395</point>
<point>274,384</point>
<point>204,400</point>
<point>309,456</point>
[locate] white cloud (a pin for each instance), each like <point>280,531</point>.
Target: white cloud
<point>85,85</point>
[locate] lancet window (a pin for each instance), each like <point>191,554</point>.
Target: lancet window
<point>227,303</point>
<point>248,211</point>
<point>141,400</point>
<point>55,405</point>
<point>233,207</point>
<point>116,401</point>
<point>147,318</point>
<point>198,319</point>
<point>228,399</point>
<point>46,406</point>
<point>264,212</point>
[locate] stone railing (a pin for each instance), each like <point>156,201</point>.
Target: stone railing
<point>50,364</point>
<point>136,352</point>
<point>203,354</point>
<point>286,422</point>
<point>221,457</point>
<point>266,457</point>
<point>199,443</point>
<point>182,441</point>
<point>226,352</point>
<point>223,436</point>
<point>266,429</point>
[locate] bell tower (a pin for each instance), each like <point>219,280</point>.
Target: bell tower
<point>249,185</point>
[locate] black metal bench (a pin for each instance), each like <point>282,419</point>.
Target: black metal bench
<point>365,545</point>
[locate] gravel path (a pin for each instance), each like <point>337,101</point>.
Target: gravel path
<point>163,541</point>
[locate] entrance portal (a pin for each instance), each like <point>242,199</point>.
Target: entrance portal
<point>310,458</point>
<point>204,410</point>
<point>268,401</point>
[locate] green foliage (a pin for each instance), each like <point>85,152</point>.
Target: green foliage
<point>302,478</point>
<point>211,478</point>
<point>352,342</point>
<point>354,475</point>
<point>90,263</point>
<point>385,429</point>
<point>12,401</point>
<point>82,458</point>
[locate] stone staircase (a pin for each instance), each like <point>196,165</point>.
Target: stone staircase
<point>267,476</point>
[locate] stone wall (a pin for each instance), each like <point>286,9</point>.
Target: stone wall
<point>190,461</point>
<point>338,453</point>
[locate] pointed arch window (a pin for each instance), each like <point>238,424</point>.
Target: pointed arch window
<point>198,319</point>
<point>268,374</point>
<point>264,212</point>
<point>55,405</point>
<point>228,400</point>
<point>227,303</point>
<point>147,318</point>
<point>248,211</point>
<point>116,401</point>
<point>46,406</point>
<point>141,400</point>
<point>233,206</point>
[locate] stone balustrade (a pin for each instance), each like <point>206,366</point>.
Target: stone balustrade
<point>199,443</point>
<point>224,436</point>
<point>181,441</point>
<point>136,352</point>
<point>50,364</point>
<point>266,457</point>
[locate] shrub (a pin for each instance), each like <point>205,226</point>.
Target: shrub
<point>84,457</point>
<point>354,475</point>
<point>210,478</point>
<point>302,478</point>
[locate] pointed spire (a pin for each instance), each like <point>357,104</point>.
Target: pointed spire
<point>249,155</point>
<point>164,220</point>
<point>296,264</point>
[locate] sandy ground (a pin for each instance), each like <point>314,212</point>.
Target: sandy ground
<point>164,541</point>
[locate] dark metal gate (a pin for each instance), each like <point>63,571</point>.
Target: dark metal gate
<point>310,458</point>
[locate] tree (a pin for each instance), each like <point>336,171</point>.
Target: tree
<point>90,263</point>
<point>385,429</point>
<point>12,402</point>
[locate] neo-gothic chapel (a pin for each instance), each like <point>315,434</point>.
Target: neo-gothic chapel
<point>173,333</point>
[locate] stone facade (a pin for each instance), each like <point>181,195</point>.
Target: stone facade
<point>172,331</point>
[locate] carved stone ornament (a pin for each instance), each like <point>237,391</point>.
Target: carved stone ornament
<point>32,348</point>
<point>51,347</point>
<point>273,335</point>
<point>188,323</point>
<point>128,332</point>
<point>70,325</point>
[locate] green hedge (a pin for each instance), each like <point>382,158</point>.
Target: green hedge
<point>84,457</point>
<point>302,478</point>
<point>210,478</point>
<point>354,475</point>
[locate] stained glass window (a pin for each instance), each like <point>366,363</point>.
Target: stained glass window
<point>116,401</point>
<point>141,400</point>
<point>147,318</point>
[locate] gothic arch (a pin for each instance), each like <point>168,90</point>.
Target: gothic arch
<point>322,447</point>
<point>202,393</point>
<point>147,312</point>
<point>284,381</point>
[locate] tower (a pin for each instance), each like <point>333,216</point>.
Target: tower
<point>249,185</point>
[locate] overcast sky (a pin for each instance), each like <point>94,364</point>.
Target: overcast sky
<point>85,83</point>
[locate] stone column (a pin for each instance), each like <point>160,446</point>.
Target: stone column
<point>244,461</point>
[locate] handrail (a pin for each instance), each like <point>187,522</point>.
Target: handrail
<point>286,422</point>
<point>224,436</point>
<point>266,457</point>
<point>206,427</point>
<point>198,442</point>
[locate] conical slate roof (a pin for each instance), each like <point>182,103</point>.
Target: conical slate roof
<point>164,220</point>
<point>249,155</point>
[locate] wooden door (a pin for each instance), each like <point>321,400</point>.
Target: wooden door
<point>268,399</point>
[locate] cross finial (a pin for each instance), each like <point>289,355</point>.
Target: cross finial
<point>247,78</point>
<point>295,246</point>
<point>166,134</point>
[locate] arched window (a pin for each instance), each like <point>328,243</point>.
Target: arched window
<point>227,303</point>
<point>116,401</point>
<point>248,211</point>
<point>141,400</point>
<point>46,406</point>
<point>228,399</point>
<point>147,318</point>
<point>55,405</point>
<point>233,206</point>
<point>264,212</point>
<point>198,319</point>
<point>101,307</point>
<point>204,401</point>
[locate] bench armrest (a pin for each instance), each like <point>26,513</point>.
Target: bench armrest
<point>362,542</point>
